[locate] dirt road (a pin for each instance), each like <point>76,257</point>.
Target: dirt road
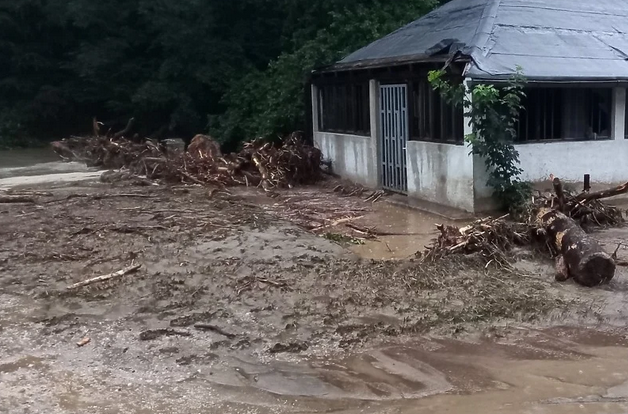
<point>237,308</point>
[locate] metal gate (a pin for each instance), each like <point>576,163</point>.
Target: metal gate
<point>394,136</point>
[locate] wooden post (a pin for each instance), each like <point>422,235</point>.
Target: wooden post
<point>558,189</point>
<point>587,182</point>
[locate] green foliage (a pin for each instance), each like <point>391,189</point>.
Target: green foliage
<point>494,113</point>
<point>272,101</point>
<point>172,64</point>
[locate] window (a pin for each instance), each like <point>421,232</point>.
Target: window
<point>565,113</point>
<point>344,108</point>
<point>433,118</point>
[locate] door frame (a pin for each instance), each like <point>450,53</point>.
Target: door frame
<point>393,136</point>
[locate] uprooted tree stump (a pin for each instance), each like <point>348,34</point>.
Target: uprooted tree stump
<point>583,258</point>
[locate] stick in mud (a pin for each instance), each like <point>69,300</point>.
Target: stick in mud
<point>5,199</point>
<point>214,328</point>
<point>102,278</point>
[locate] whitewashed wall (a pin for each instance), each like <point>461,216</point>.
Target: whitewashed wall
<point>440,173</point>
<point>352,156</point>
<point>448,175</point>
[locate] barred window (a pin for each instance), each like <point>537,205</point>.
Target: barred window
<point>433,118</point>
<point>565,114</point>
<point>344,108</point>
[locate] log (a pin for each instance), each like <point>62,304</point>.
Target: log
<point>586,261</point>
<point>263,172</point>
<point>610,192</point>
<point>16,199</point>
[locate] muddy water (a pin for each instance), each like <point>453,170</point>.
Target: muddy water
<point>39,166</point>
<point>516,370</point>
<point>412,230</point>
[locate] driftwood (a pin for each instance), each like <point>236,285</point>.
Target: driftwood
<point>545,227</point>
<point>16,199</point>
<point>83,342</point>
<point>126,129</point>
<point>204,146</point>
<point>611,192</point>
<point>560,195</point>
<point>584,258</point>
<point>152,334</point>
<point>259,163</point>
<point>214,328</point>
<point>102,278</point>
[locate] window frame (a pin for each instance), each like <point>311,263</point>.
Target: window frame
<point>345,105</point>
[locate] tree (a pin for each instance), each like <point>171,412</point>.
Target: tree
<point>171,63</point>
<point>272,101</point>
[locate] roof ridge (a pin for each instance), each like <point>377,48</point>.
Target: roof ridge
<point>486,25</point>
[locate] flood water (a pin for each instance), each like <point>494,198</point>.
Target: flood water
<point>39,166</point>
<point>409,230</point>
<point>550,371</point>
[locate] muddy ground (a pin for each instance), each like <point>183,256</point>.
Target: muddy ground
<point>294,320</point>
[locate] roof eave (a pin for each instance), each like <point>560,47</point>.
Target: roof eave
<point>381,63</point>
<point>554,79</point>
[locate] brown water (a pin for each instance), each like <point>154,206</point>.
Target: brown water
<point>413,231</point>
<point>513,370</point>
<point>39,166</point>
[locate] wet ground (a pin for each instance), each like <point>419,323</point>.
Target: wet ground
<point>291,321</point>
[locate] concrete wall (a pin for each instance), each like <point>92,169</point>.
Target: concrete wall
<point>447,174</point>
<point>351,156</point>
<point>604,160</point>
<point>568,160</point>
<point>441,173</point>
<point>354,157</point>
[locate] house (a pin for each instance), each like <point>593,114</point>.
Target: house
<point>377,119</point>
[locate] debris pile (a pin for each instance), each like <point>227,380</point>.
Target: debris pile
<point>485,235</point>
<point>259,163</point>
<point>554,221</point>
<point>585,207</point>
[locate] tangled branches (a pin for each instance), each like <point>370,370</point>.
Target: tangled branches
<point>492,237</point>
<point>259,163</point>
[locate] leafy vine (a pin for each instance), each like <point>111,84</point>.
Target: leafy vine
<point>494,113</point>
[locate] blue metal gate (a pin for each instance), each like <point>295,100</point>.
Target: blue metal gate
<point>394,136</point>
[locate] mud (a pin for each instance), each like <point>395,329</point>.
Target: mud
<point>298,323</point>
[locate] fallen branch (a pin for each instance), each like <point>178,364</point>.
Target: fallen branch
<point>560,195</point>
<point>126,129</point>
<point>151,334</point>
<point>610,192</point>
<point>102,278</point>
<point>83,342</point>
<point>6,199</point>
<point>100,197</point>
<point>336,222</point>
<point>214,328</point>
<point>375,232</point>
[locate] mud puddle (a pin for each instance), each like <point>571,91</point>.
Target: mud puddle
<point>553,371</point>
<point>410,231</point>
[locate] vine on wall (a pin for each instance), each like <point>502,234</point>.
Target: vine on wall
<point>494,113</point>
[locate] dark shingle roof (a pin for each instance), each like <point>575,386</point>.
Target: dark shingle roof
<point>549,39</point>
